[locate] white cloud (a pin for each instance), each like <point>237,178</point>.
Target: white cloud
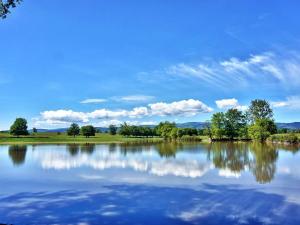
<point>227,103</point>
<point>292,102</point>
<point>189,107</point>
<point>138,112</point>
<point>135,98</point>
<point>106,114</point>
<point>64,115</point>
<point>93,100</point>
<point>230,103</point>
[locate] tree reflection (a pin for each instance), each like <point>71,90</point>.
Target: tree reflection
<point>264,162</point>
<point>73,149</point>
<point>17,153</point>
<point>260,158</point>
<point>88,148</point>
<point>168,149</point>
<point>233,156</point>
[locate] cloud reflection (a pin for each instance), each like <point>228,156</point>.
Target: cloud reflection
<point>101,160</point>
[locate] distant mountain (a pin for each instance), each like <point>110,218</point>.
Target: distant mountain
<point>197,125</point>
<point>290,126</point>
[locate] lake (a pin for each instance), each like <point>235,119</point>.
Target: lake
<point>164,183</point>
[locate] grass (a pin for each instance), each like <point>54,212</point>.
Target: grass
<point>44,138</point>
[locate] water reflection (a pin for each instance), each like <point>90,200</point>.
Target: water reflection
<point>164,183</point>
<point>260,158</point>
<point>177,159</point>
<point>17,153</point>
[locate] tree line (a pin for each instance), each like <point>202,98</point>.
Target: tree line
<point>255,123</point>
<point>163,129</point>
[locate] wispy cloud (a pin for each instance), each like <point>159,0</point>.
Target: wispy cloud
<point>93,100</point>
<point>257,68</point>
<point>292,102</point>
<point>183,108</point>
<point>134,98</point>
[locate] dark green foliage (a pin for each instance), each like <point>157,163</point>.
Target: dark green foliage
<point>88,131</point>
<point>5,7</point>
<point>19,127</point>
<point>73,130</point>
<point>112,129</point>
<point>231,124</point>
<point>235,121</point>
<point>34,130</point>
<point>137,131</point>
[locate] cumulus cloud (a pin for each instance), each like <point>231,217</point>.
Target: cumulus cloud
<point>292,102</point>
<point>230,103</point>
<point>93,100</point>
<point>106,114</point>
<point>189,107</point>
<point>268,66</point>
<point>64,116</point>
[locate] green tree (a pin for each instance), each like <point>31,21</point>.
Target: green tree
<point>262,129</point>
<point>88,131</point>
<point>124,129</point>
<point>112,129</point>
<point>73,130</point>
<point>5,7</point>
<point>164,129</point>
<point>218,125</point>
<point>34,130</point>
<point>207,130</point>
<point>260,109</point>
<point>173,133</point>
<point>19,127</point>
<point>234,122</point>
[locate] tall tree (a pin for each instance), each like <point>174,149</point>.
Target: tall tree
<point>73,130</point>
<point>260,109</point>
<point>19,127</point>
<point>5,7</point>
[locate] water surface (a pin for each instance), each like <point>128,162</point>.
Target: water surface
<point>166,183</point>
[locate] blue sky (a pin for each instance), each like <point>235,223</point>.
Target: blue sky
<point>104,62</point>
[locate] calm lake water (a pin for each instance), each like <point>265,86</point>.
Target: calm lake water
<point>220,183</point>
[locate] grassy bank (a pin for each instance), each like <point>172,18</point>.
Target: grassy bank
<point>44,138</point>
<point>289,138</point>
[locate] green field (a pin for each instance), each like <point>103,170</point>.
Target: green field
<point>62,138</point>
